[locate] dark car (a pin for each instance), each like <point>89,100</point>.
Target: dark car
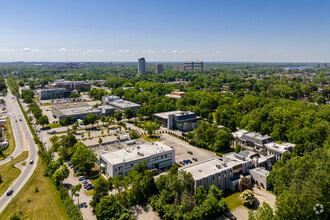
<point>10,192</point>
<point>185,161</point>
<point>189,161</point>
<point>20,119</point>
<point>31,161</point>
<point>90,187</point>
<point>182,163</point>
<point>229,215</point>
<point>194,158</point>
<point>87,185</point>
<point>190,152</point>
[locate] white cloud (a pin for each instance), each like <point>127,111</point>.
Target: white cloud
<point>218,52</point>
<point>6,50</point>
<point>127,50</point>
<point>26,50</point>
<point>62,49</point>
<point>178,51</point>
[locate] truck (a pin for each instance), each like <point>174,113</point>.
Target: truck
<point>54,116</point>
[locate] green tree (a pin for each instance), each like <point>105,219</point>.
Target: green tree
<point>238,148</point>
<point>128,113</point>
<point>61,174</point>
<point>75,126</point>
<point>247,197</point>
<point>100,141</point>
<point>74,95</point>
<point>151,127</point>
<point>111,208</point>
<point>83,158</point>
<point>134,134</point>
<point>321,100</point>
<point>264,212</point>
<point>43,120</point>
<point>223,140</point>
<point>75,190</point>
<point>118,115</point>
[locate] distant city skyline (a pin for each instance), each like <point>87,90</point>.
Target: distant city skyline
<point>165,31</point>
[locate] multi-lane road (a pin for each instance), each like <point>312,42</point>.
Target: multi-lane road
<point>24,142</point>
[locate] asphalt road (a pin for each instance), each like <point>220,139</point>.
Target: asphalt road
<point>23,141</point>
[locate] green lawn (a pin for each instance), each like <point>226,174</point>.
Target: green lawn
<point>45,204</point>
<point>11,142</point>
<point>150,138</point>
<point>10,173</point>
<point>233,201</point>
<point>52,125</point>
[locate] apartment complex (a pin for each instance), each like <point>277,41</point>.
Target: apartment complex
<point>180,120</point>
<point>261,143</point>
<point>120,162</point>
<point>188,66</point>
<point>158,68</point>
<point>141,65</point>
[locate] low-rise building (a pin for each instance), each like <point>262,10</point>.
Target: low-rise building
<point>77,110</point>
<point>53,93</point>
<point>225,174</point>
<point>70,85</point>
<point>110,98</point>
<point>106,110</point>
<point>176,94</point>
<point>181,120</point>
<point>259,176</point>
<point>121,105</point>
<point>261,143</point>
<point>120,162</point>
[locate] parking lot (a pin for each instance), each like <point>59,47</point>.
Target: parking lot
<point>181,148</point>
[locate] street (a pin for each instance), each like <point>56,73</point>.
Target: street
<point>24,141</point>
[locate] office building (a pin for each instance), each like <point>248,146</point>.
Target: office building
<point>106,110</point>
<point>226,174</point>
<point>189,66</point>
<point>180,120</point>
<point>120,162</point>
<point>121,105</point>
<point>261,143</point>
<point>75,110</point>
<point>57,93</point>
<point>70,85</point>
<point>141,66</point>
<point>178,67</point>
<point>110,98</point>
<point>158,68</point>
<point>175,94</point>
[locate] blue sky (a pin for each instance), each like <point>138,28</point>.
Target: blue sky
<point>165,30</point>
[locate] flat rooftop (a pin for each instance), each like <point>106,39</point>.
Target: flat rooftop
<point>70,105</point>
<point>239,133</point>
<point>165,115</point>
<point>209,167</point>
<point>124,104</point>
<point>281,148</point>
<point>79,110</point>
<point>135,153</point>
<point>260,170</point>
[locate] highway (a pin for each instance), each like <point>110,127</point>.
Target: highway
<point>24,142</point>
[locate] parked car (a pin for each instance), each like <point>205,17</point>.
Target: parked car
<point>81,178</point>
<point>189,161</point>
<point>90,187</point>
<point>20,119</point>
<point>194,158</point>
<point>229,215</point>
<point>87,185</point>
<point>76,170</point>
<point>10,192</point>
<point>51,132</point>
<point>190,152</point>
<point>31,161</point>
<point>15,120</point>
<point>185,161</point>
<point>85,182</point>
<point>182,163</point>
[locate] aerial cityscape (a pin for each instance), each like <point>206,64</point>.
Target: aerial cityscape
<point>153,110</point>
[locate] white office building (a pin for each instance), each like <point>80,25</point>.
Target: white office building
<point>120,162</point>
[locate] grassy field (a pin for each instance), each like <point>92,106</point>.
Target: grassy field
<point>233,201</point>
<point>9,173</point>
<point>44,204</point>
<point>150,138</point>
<point>53,125</point>
<point>11,142</point>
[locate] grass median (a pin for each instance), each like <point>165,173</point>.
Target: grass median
<point>11,142</point>
<point>9,173</point>
<point>38,199</point>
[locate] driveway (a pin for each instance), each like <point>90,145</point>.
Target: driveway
<point>84,200</point>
